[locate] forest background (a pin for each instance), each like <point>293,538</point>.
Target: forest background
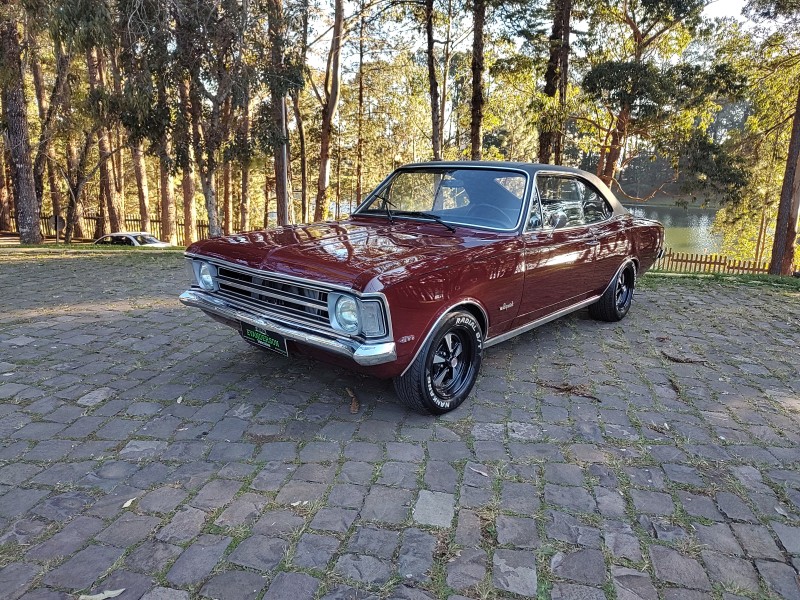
<point>249,113</point>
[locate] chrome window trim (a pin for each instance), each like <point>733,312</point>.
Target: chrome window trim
<point>523,208</point>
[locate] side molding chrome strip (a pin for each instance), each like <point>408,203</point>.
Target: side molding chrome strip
<point>534,324</point>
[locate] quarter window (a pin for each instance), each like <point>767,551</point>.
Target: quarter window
<point>570,202</point>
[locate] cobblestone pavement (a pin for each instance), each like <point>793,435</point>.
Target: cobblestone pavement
<point>145,447</point>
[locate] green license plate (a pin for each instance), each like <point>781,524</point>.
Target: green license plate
<point>264,339</point>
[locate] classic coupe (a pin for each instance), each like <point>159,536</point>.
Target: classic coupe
<point>441,261</point>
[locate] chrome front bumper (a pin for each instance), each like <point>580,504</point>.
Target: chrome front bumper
<point>363,353</point>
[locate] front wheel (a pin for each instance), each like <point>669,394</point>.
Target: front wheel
<point>615,302</point>
<point>442,375</point>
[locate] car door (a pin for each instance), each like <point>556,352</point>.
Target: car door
<point>559,249</point>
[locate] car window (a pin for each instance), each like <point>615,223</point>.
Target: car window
<point>104,240</point>
<point>465,196</point>
<point>569,201</point>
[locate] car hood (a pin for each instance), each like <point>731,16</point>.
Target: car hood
<point>349,253</point>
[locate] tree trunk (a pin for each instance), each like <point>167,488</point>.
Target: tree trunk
<point>188,186</point>
<point>332,90</point>
<point>783,247</point>
<point>142,187</point>
<point>207,167</point>
<point>244,163</point>
<point>5,197</point>
<point>115,210</point>
<point>168,228</point>
<point>360,141</point>
<point>17,136</point>
<point>555,80</point>
<point>301,134</point>
<point>227,204</point>
<point>436,141</point>
<point>475,133</point>
<point>614,150</point>
<point>268,183</point>
<point>117,159</point>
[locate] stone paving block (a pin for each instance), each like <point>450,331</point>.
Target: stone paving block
<point>388,505</point>
<point>128,529</point>
<point>185,525</point>
<point>334,519</point>
<point>652,503</point>
<point>16,578</point>
<point>573,591</point>
<point>162,593</point>
<point>314,551</point>
<point>70,539</point>
<point>415,559</point>
<point>152,557</point>
<point>520,532</point>
<point>234,585</point>
<point>272,476</point>
<point>398,474</point>
<point>259,552</point>
<point>347,495</point>
<point>630,584</point>
<point>583,566</point>
<point>19,500</point>
<point>357,472</point>
<point>610,503</point>
<point>521,498</point>
<point>315,472</point>
<point>63,506</point>
<point>297,586</point>
<point>789,536</point>
<point>162,500</point>
<point>566,528</point>
<point>296,492</point>
<point>434,508</point>
<point>673,567</point>
<point>780,578</point>
<point>468,529</point>
<point>215,494</point>
<point>345,592</point>
<point>134,584</point>
<point>363,568</point>
<point>197,561</point>
<point>734,508</point>
<point>730,571</point>
<point>468,568</point>
<point>372,540</point>
<point>757,541</point>
<point>83,568</point>
<point>278,523</point>
<point>242,511</point>
<point>718,537</point>
<point>515,571</point>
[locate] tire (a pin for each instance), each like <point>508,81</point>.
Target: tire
<point>615,302</point>
<point>443,373</point>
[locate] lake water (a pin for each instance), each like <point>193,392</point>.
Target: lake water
<point>685,229</point>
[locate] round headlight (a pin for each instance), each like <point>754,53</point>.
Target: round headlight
<point>205,276</point>
<point>347,314</point>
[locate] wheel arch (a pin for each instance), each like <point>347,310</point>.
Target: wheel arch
<point>470,305</point>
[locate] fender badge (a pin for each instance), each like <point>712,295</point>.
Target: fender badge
<point>506,306</point>
<point>406,338</point>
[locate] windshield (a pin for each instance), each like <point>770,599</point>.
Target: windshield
<point>490,198</point>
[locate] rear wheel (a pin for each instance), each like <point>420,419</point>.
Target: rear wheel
<point>615,302</point>
<point>442,375</point>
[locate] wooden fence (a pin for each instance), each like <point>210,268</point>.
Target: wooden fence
<point>684,262</point>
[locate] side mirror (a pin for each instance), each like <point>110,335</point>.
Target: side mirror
<point>535,222</point>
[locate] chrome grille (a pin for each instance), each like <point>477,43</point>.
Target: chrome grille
<point>299,302</point>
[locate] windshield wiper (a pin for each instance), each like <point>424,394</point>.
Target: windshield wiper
<point>426,215</point>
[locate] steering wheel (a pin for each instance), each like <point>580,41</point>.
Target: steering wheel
<point>489,212</point>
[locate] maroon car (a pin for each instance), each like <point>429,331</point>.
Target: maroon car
<point>441,261</point>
